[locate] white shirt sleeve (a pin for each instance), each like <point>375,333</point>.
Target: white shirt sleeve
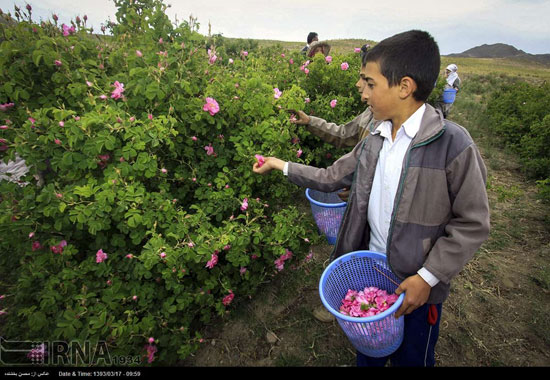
<point>428,277</point>
<point>285,169</point>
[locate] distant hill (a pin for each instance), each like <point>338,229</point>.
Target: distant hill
<point>503,51</point>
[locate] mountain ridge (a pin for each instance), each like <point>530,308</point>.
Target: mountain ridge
<point>501,50</point>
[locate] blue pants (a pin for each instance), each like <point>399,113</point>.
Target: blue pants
<point>418,347</point>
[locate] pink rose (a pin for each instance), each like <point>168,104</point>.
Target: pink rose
<point>261,160</point>
<point>228,298</point>
<point>344,66</point>
<point>328,59</point>
<point>211,106</point>
<point>333,103</point>
<point>100,256</point>
<point>244,205</point>
<point>209,149</point>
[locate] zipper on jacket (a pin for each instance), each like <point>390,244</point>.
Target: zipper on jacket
<point>400,192</point>
<point>331,257</point>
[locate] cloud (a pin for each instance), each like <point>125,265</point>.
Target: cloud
<point>457,26</point>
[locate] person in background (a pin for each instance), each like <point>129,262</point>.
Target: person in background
<point>418,189</point>
<point>346,135</point>
<point>311,37</point>
<point>452,81</point>
<point>318,47</point>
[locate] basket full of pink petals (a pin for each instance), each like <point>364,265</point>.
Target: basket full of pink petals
<point>358,289</point>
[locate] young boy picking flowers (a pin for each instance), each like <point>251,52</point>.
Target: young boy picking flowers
<point>418,189</point>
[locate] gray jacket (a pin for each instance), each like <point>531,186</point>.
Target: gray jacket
<point>345,135</point>
<point>441,212</point>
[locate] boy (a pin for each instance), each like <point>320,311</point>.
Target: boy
<point>417,189</point>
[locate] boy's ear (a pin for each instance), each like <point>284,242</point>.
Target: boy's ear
<point>407,87</point>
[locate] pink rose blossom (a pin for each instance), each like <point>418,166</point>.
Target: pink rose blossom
<point>151,340</point>
<point>291,61</point>
<point>135,298</point>
<point>90,84</point>
<point>344,66</point>
<point>277,94</point>
<point>242,271</point>
<point>194,138</point>
<point>213,260</point>
<point>31,235</point>
<point>162,255</point>
<point>150,116</point>
<point>139,53</point>
<point>36,246</point>
<point>280,262</point>
<point>244,205</point>
<point>261,160</point>
<point>6,106</point>
<point>151,350</point>
<point>357,50</point>
<point>209,149</point>
<point>228,298</point>
<point>299,153</point>
<point>58,62</point>
<point>164,170</point>
<point>100,256</point>
<point>211,106</point>
<point>328,59</point>
<point>333,103</point>
<point>103,97</point>
<point>119,89</point>
<point>129,256</point>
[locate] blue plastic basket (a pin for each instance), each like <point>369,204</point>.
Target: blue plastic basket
<point>375,336</point>
<point>449,95</point>
<point>328,211</point>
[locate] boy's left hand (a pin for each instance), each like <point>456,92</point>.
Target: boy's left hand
<point>416,291</point>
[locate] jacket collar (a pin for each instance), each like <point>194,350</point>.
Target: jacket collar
<point>432,124</point>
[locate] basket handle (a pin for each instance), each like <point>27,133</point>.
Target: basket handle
<point>383,274</point>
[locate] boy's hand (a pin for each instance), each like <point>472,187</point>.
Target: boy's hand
<point>301,117</point>
<point>416,291</point>
<point>270,163</point>
<point>344,194</point>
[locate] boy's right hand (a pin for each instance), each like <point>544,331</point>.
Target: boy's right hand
<point>270,163</point>
<point>300,117</point>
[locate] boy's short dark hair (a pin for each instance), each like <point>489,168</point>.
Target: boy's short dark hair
<point>311,36</point>
<point>414,54</point>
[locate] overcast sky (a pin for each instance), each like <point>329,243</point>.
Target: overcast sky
<point>456,25</point>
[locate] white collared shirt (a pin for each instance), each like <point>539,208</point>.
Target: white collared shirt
<point>386,182</point>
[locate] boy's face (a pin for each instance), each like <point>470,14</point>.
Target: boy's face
<point>376,92</point>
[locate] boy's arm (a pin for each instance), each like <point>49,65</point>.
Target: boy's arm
<point>346,135</point>
<point>469,225</point>
<point>335,177</point>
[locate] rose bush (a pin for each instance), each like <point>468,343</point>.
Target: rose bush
<point>143,146</point>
